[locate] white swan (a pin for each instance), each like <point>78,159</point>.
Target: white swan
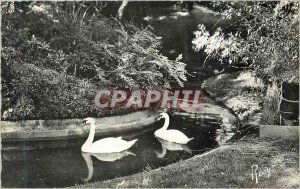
<point>170,135</point>
<point>171,146</point>
<point>105,145</point>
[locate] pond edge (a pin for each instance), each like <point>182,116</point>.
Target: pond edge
<point>104,126</point>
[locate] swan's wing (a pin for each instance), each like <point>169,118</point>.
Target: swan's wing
<point>174,136</point>
<point>107,141</point>
<point>176,133</point>
<point>108,145</point>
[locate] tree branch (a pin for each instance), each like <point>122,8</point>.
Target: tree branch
<point>121,9</point>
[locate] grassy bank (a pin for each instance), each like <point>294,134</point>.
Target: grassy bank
<point>226,166</point>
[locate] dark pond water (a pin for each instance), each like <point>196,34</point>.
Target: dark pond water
<point>61,163</point>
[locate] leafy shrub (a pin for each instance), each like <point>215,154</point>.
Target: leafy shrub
<point>265,39</point>
<point>55,54</point>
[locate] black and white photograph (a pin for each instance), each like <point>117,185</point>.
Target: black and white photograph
<point>150,94</point>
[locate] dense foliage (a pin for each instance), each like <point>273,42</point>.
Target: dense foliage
<point>265,39</point>
<point>55,54</point>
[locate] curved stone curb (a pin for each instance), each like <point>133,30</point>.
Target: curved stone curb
<point>279,131</point>
<point>73,128</point>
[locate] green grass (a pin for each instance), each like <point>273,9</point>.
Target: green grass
<point>226,166</point>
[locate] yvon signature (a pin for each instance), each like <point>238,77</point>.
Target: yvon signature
<point>257,172</point>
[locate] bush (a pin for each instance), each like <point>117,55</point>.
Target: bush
<point>55,54</point>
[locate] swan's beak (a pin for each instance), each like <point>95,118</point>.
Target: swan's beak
<point>158,118</point>
<point>84,122</point>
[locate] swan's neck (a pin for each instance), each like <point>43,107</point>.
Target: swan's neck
<point>166,124</point>
<point>89,141</point>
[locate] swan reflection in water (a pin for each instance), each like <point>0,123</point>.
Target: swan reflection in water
<point>171,146</point>
<point>108,157</point>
